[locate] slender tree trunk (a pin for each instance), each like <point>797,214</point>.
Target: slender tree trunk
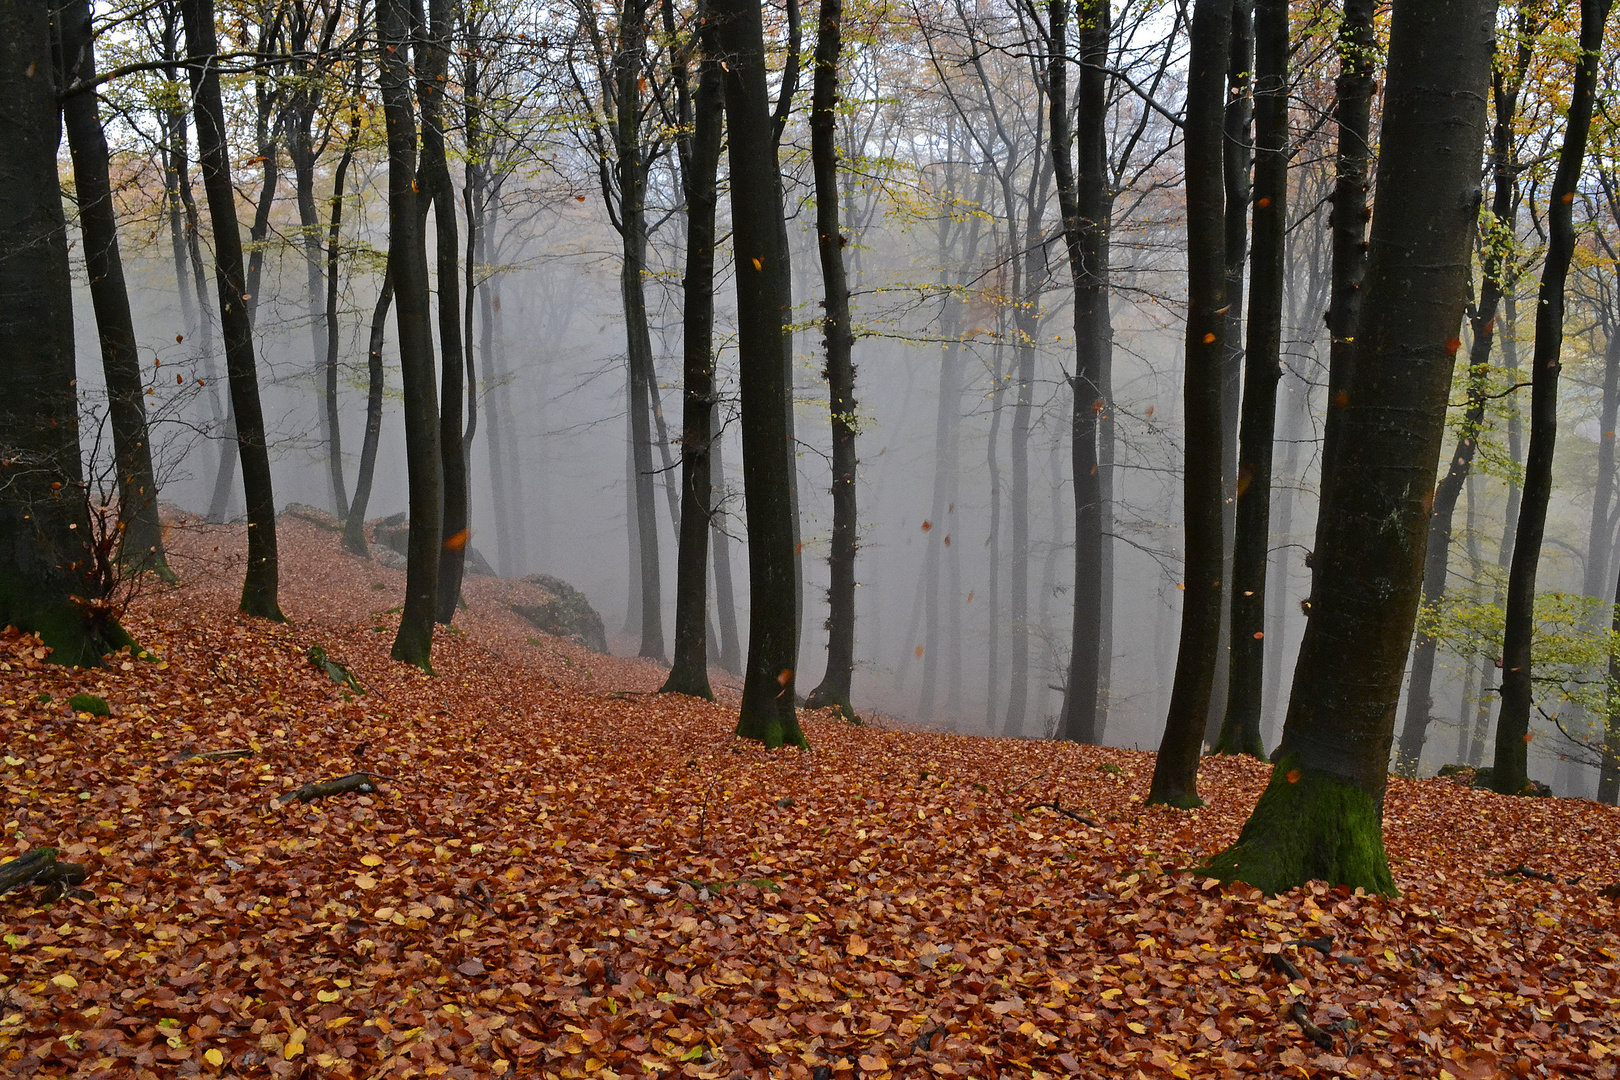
<point>689,674</point>
<point>1237,167</point>
<point>763,300</point>
<point>1600,535</point>
<point>1293,432</point>
<point>47,584</point>
<point>1497,248</point>
<point>1083,198</point>
<point>1509,773</point>
<point>259,586</point>
<point>354,528</point>
<point>1352,112</point>
<point>834,688</point>
<point>329,319</point>
<point>1175,772</point>
<point>993,541</point>
<point>1321,816</point>
<point>725,597</point>
<point>408,271</point>
<point>1240,729</point>
<point>432,67</point>
<point>141,546</point>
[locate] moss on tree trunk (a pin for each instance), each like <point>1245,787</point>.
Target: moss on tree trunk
<point>1308,826</point>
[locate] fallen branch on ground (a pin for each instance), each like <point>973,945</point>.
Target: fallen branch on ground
<point>39,867</point>
<point>212,755</point>
<point>364,783</point>
<point>1059,808</point>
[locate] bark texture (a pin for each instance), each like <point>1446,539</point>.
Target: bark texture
<point>1509,775</point>
<point>768,712</point>
<point>260,585</point>
<point>1175,770</point>
<point>1321,815</point>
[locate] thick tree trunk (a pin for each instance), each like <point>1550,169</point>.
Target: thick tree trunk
<point>1262,366</point>
<point>1321,815</point>
<point>993,542</point>
<point>1083,200</point>
<point>260,584</point>
<point>1175,771</point>
<point>689,673</point>
<point>1509,773</point>
<point>432,67</point>
<point>834,687</point>
<point>354,527</point>
<point>1482,324</point>
<point>46,582</point>
<point>408,270</point>
<point>768,712</point>
<point>141,546</point>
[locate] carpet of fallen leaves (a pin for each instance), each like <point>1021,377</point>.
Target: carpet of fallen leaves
<point>562,874</point>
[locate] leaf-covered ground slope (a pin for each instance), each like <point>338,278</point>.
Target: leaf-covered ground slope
<point>562,874</point>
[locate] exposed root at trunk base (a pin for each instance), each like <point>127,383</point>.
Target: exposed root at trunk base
<point>1308,826</point>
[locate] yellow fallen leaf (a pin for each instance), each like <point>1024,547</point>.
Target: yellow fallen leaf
<point>66,982</point>
<point>371,860</point>
<point>857,946</point>
<point>327,996</point>
<point>214,1058</point>
<point>1138,1028</point>
<point>292,1050</point>
<point>366,881</point>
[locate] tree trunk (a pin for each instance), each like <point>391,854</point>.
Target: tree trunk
<point>1352,112</point>
<point>334,232</point>
<point>141,545</point>
<point>1083,200</point>
<point>768,712</point>
<point>1262,366</point>
<point>1509,775</point>
<point>834,688</point>
<point>1482,323</point>
<point>432,67</point>
<point>354,528</point>
<point>408,270</point>
<point>1321,815</point>
<point>47,584</point>
<point>725,597</point>
<point>1175,771</point>
<point>259,586</point>
<point>689,674</point>
<point>993,541</point>
<point>1237,167</point>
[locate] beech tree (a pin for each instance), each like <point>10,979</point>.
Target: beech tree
<point>141,544</point>
<point>834,688</point>
<point>1321,815</point>
<point>1262,366</point>
<point>699,150</point>
<point>1508,774</point>
<point>1175,770</point>
<point>768,707</point>
<point>46,584</point>
<point>259,587</point>
<point>408,272</point>
<point>1496,259</point>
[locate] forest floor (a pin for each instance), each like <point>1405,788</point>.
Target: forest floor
<point>561,874</point>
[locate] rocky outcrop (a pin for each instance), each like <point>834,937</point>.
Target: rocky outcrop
<point>314,515</point>
<point>394,533</point>
<point>567,614</point>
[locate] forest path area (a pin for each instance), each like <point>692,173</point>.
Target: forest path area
<point>558,873</point>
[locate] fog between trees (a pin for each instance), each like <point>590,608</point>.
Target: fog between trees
<point>962,315</point>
